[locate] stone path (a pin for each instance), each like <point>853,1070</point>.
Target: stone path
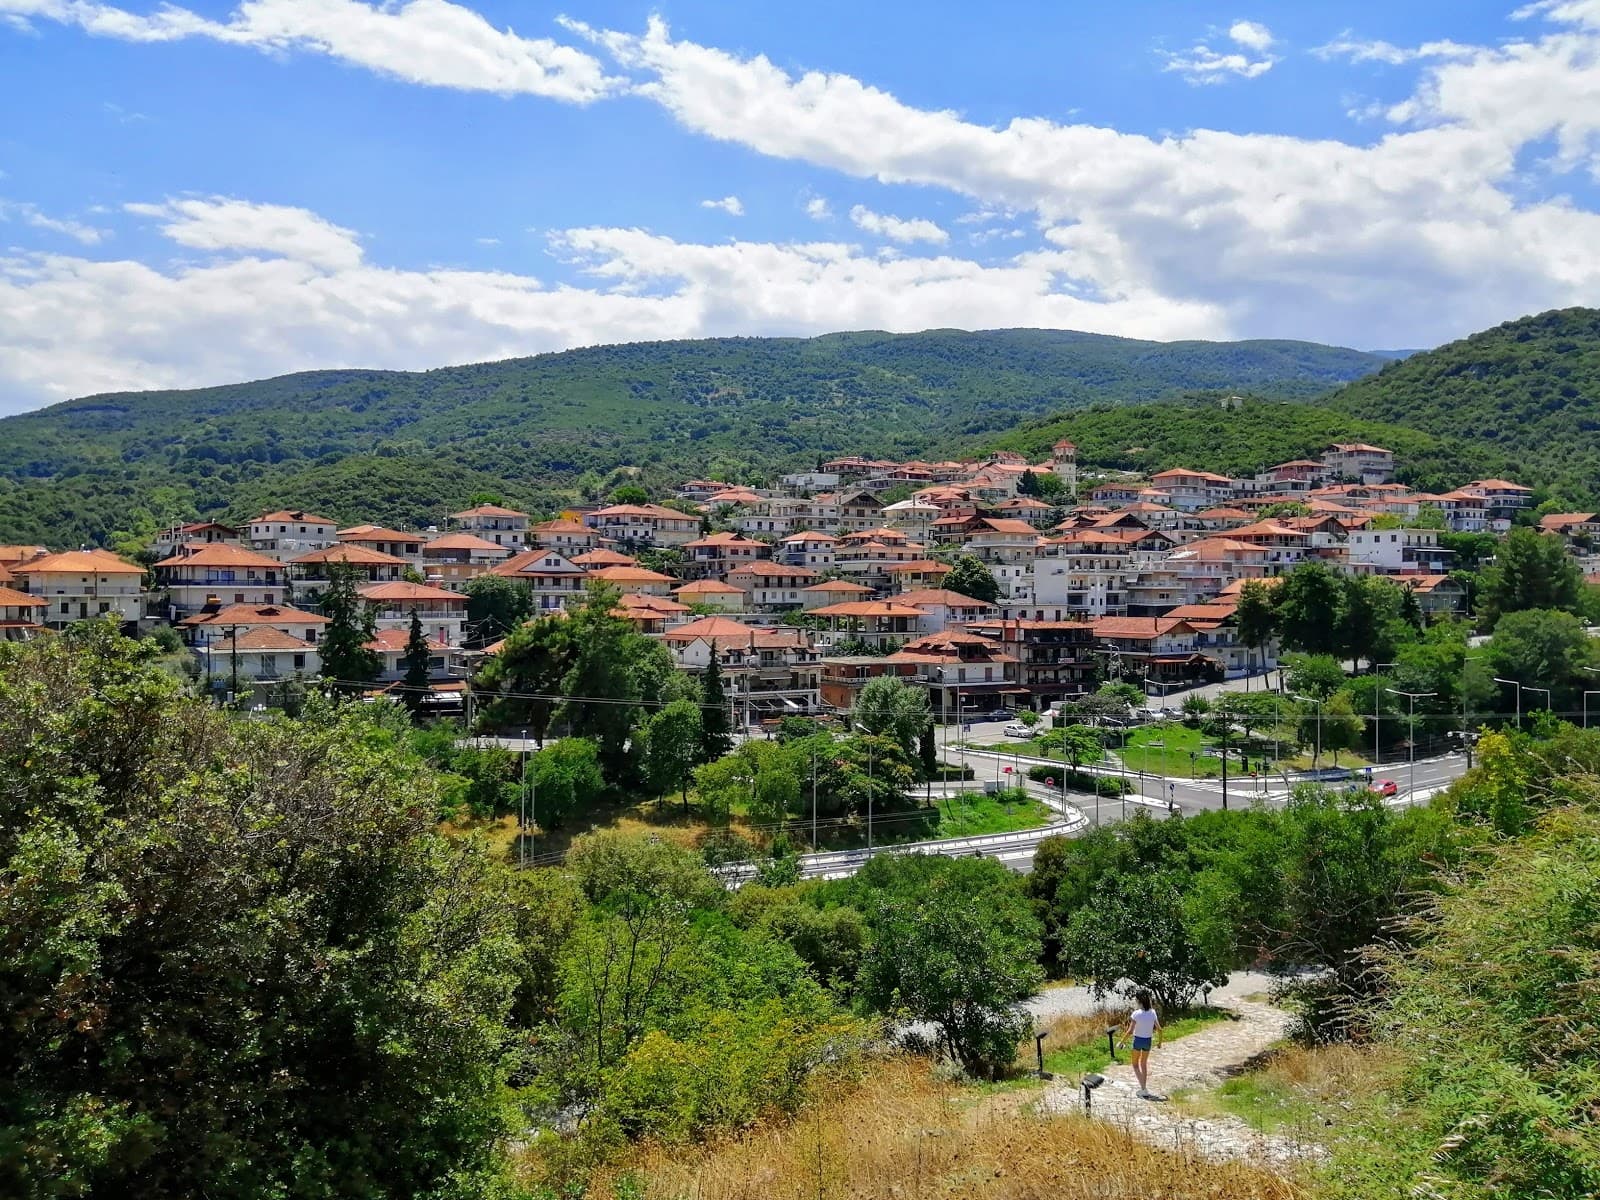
<point>1200,1060</point>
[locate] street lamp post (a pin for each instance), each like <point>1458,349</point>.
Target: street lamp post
<point>1411,734</point>
<point>1518,686</point>
<point>1546,692</point>
<point>1586,696</point>
<point>1316,754</point>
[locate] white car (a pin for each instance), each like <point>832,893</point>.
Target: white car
<point>1018,730</point>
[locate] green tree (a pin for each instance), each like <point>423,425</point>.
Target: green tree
<point>522,683</point>
<point>891,708</point>
<point>630,493</point>
<point>600,690</point>
<point>715,740</point>
<point>672,746</point>
<point>1341,729</point>
<point>969,577</point>
<point>239,959</point>
<point>565,779</point>
<point>1137,927</point>
<point>495,607</point>
<point>417,684</point>
<point>955,943</point>
<point>1539,644</point>
<point>1531,570</point>
<point>1256,618</point>
<point>1318,675</point>
<point>1308,603</point>
<point>344,650</point>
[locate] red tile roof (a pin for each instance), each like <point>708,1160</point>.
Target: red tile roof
<point>400,590</point>
<point>486,510</point>
<point>85,562</point>
<point>256,614</point>
<point>288,516</point>
<point>350,555</point>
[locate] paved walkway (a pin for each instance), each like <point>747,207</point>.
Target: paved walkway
<point>1202,1060</point>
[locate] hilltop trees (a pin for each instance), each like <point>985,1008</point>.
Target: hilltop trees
<point>1531,570</point>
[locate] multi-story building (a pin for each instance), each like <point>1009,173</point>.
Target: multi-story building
<point>912,517</point>
<point>202,575</point>
<point>20,615</point>
<point>310,573</point>
<point>713,593</point>
<point>714,555</point>
<point>772,587</point>
<point>454,560</point>
<point>1162,653</point>
<point>254,642</point>
<point>860,511</point>
<point>169,539</point>
<point>876,623</point>
<point>289,533</point>
<point>943,609</point>
<point>80,584</point>
<point>809,548</point>
<point>965,673</point>
<point>822,593</point>
<point>390,647</point>
<point>503,526</point>
<point>844,675</point>
<point>1360,462</point>
<point>1064,463</point>
<point>404,546</point>
<point>1056,659</point>
<point>635,579</point>
<point>644,525</point>
<point>768,673</point>
<point>563,535</point>
<point>443,613</point>
<point>553,580</point>
<point>1398,551</point>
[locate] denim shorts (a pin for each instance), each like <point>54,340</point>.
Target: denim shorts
<point>1140,1043</point>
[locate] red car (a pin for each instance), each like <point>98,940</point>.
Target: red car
<point>1385,787</point>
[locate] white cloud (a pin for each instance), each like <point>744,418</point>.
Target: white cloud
<point>307,298</point>
<point>1248,60</point>
<point>897,229</point>
<point>1411,239</point>
<point>731,205</point>
<point>1252,35</point>
<point>33,218</point>
<point>429,42</point>
<point>222,224</point>
<point>1348,46</point>
<point>817,209</point>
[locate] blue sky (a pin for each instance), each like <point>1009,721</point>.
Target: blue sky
<point>199,194</point>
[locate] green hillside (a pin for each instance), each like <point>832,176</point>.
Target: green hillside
<point>1242,437</point>
<point>1528,390</point>
<point>407,447</point>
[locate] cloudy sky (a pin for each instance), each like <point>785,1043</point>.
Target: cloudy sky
<point>205,193</point>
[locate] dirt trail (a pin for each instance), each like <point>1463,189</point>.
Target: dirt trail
<point>1202,1060</point>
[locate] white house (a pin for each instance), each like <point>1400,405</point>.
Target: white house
<point>80,584</point>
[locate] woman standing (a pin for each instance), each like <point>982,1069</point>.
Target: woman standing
<point>1143,1026</point>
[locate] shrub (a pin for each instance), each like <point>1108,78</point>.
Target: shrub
<point>1081,781</point>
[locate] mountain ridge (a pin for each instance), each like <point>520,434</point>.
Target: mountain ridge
<point>404,447</point>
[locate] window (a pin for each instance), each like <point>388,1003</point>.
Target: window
<point>66,607</point>
<point>299,662</point>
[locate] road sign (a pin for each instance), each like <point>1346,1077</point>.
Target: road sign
<point>1049,781</point>
<point>1008,770</point>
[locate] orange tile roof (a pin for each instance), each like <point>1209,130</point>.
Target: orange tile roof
<point>918,566</point>
<point>12,555</point>
<point>398,639</point>
<point>486,510</point>
<point>810,535</point>
<point>940,596</point>
<point>839,585</point>
<point>603,557</point>
<point>629,575</point>
<point>771,570</point>
<point>83,562</point>
<point>725,632</point>
<point>724,539</point>
<point>868,608</point>
<point>256,614</point>
<point>297,516</point>
<point>348,554</point>
<point>215,554</point>
<point>11,598</point>
<point>376,533</point>
<point>263,637</point>
<point>400,590</point>
<point>464,541</point>
<point>1134,627</point>
<point>702,587</point>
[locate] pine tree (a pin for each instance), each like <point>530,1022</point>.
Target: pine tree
<point>714,737</point>
<point>415,660</point>
<point>351,625</point>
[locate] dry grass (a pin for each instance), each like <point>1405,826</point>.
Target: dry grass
<point>1295,1089</point>
<point>664,819</point>
<point>900,1134</point>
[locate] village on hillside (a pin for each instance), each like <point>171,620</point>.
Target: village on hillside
<point>996,584</point>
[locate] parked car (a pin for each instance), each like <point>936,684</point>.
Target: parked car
<point>1386,787</point>
<point>1018,730</point>
<point>997,714</point>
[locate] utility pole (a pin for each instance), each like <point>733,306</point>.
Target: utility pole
<point>1518,686</point>
<point>1411,737</point>
<point>522,807</point>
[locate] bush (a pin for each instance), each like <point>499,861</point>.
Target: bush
<point>1081,781</point>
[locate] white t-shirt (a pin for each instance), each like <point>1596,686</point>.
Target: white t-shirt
<point>1144,1022</point>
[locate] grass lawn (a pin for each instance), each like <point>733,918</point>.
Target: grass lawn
<point>1165,750</point>
<point>955,816</point>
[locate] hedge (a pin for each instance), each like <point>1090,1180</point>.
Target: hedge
<point>1080,781</point>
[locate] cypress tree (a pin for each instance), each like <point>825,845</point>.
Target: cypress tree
<point>415,661</point>
<point>715,740</point>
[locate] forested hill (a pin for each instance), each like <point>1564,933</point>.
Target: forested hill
<point>1520,400</point>
<point>406,448</point>
<point>1528,390</point>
